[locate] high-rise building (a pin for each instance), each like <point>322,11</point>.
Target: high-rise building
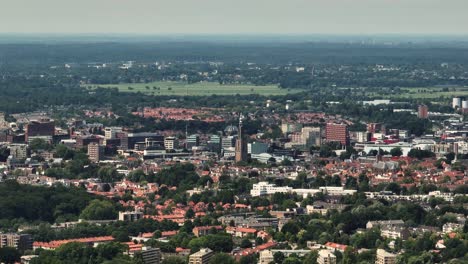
<point>337,133</point>
<point>456,102</point>
<point>95,152</point>
<point>201,257</point>
<point>326,257</point>
<point>19,151</point>
<point>290,127</point>
<point>84,141</point>
<point>44,128</point>
<point>110,132</point>
<point>228,142</point>
<point>423,111</point>
<point>384,257</point>
<point>171,143</point>
<point>3,122</point>
<point>464,106</point>
<point>241,146</point>
<point>19,241</point>
<point>192,141</point>
<point>214,143</point>
<point>311,136</point>
<point>130,140</point>
<point>257,148</point>
<point>374,127</point>
<point>151,255</point>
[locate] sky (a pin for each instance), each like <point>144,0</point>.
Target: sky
<point>427,17</point>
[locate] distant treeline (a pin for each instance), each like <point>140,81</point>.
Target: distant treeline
<point>310,52</point>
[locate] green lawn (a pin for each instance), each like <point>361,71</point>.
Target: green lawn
<point>197,89</point>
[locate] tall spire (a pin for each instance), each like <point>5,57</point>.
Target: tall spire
<point>240,124</point>
<point>241,149</point>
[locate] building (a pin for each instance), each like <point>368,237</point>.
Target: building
<point>199,231</point>
<point>265,188</point>
<point>374,127</point>
<point>84,141</point>
<point>394,232</point>
<point>151,255</point>
<point>423,111</point>
<point>91,241</point>
<point>309,136</point>
<point>228,142</point>
<point>256,148</point>
<point>384,257</point>
<point>95,152</point>
<point>192,141</point>
<point>363,136</point>
<point>312,136</point>
<point>378,224</point>
<point>456,102</point>
<point>19,151</point>
<point>451,227</point>
<point>201,257</point>
<point>326,257</point>
<point>19,241</point>
<point>111,132</point>
<point>40,128</point>
<point>337,133</point>
<point>266,257</point>
<point>214,143</point>
<point>130,140</point>
<point>171,143</point>
<point>3,122</point>
<point>241,146</point>
<point>130,216</point>
<point>287,128</point>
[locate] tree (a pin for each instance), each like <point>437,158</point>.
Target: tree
<point>420,154</point>
<point>39,144</point>
<point>99,210</point>
<point>291,260</point>
<point>9,255</point>
<point>249,259</point>
<point>278,257</point>
<point>310,258</point>
<point>108,251</point>
<point>190,214</point>
<point>286,162</point>
<point>245,243</point>
<point>222,258</point>
<point>173,260</point>
<point>396,152</point>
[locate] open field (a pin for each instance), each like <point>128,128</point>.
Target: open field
<point>424,93</point>
<point>197,89</point>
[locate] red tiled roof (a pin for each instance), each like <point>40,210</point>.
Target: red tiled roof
<point>57,243</point>
<point>336,246</point>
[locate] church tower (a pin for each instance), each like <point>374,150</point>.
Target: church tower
<point>241,146</point>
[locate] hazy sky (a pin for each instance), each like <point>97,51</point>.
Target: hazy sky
<point>235,16</point>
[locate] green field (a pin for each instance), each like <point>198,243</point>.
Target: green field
<point>424,93</point>
<point>197,89</point>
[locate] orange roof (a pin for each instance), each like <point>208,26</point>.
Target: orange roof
<point>57,243</point>
<point>336,246</point>
<point>169,233</point>
<point>246,230</point>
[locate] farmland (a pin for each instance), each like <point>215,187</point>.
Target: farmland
<point>196,89</point>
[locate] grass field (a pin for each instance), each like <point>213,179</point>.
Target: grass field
<point>426,93</point>
<point>197,89</point>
